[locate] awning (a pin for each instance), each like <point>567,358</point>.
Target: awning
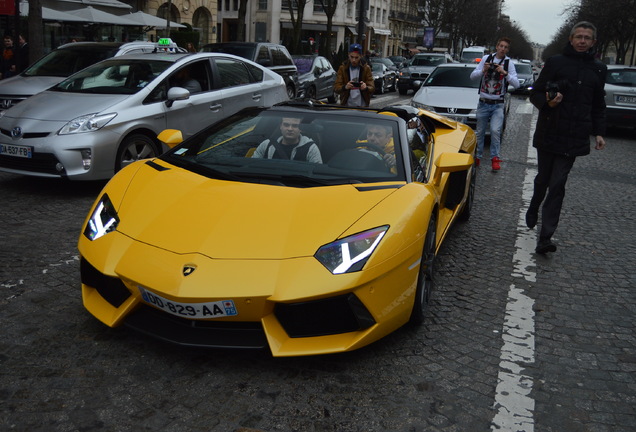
<point>147,20</point>
<point>92,15</point>
<point>65,5</point>
<point>353,30</point>
<point>383,32</point>
<point>50,14</point>
<point>305,26</point>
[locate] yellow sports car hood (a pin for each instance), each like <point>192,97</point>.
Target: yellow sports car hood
<point>183,212</point>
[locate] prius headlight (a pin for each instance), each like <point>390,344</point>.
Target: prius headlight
<point>87,123</point>
<point>351,253</point>
<point>103,220</point>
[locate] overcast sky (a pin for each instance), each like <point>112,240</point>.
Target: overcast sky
<point>540,19</point>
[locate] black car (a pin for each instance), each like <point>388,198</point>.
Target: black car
<point>271,55</point>
<point>316,77</point>
<point>525,74</point>
<point>384,78</point>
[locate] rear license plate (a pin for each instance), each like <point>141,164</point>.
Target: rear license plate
<point>217,309</point>
<point>626,99</point>
<point>16,150</point>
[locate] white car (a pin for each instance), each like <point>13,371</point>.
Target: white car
<point>449,91</point>
<point>108,115</point>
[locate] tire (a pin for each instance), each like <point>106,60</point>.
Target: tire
<point>381,89</point>
<point>332,99</point>
<point>311,93</point>
<point>468,206</point>
<point>133,148</point>
<point>425,276</point>
<point>402,91</point>
<point>291,92</point>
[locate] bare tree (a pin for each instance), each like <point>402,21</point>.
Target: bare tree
<point>329,6</point>
<point>35,37</point>
<point>297,21</point>
<point>240,31</point>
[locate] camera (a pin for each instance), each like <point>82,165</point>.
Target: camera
<point>552,88</point>
<point>355,83</point>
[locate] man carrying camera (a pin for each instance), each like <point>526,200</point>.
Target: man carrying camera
<point>496,72</point>
<point>354,82</point>
<point>569,94</point>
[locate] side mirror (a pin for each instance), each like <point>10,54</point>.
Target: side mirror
<point>175,94</point>
<point>170,137</point>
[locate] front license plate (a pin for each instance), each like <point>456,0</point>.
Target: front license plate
<point>626,99</point>
<point>16,150</point>
<point>217,309</point>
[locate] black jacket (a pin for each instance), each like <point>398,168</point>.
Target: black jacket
<point>566,129</point>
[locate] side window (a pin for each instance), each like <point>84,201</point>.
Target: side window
<point>263,57</point>
<point>194,77</point>
<point>232,72</point>
<point>257,73</point>
<point>280,58</point>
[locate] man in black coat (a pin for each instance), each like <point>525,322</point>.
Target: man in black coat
<point>570,97</point>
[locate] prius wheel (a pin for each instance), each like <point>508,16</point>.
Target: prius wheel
<point>425,277</point>
<point>468,205</point>
<point>135,147</point>
<point>381,88</point>
<point>332,99</point>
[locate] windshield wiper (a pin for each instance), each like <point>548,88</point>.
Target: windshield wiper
<point>296,179</point>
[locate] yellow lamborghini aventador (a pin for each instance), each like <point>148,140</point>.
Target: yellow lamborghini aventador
<point>305,229</point>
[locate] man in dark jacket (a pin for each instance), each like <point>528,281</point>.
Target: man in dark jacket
<point>570,97</point>
<point>354,81</point>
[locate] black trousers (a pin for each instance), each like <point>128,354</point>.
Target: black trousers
<point>553,171</point>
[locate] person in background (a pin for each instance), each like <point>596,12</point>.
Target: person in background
<point>22,61</point>
<point>570,97</point>
<point>8,59</point>
<point>190,47</point>
<point>354,81</point>
<point>495,73</point>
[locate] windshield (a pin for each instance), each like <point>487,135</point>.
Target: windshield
<point>114,77</point>
<point>303,64</point>
<point>295,148</point>
<point>427,60</point>
<point>471,56</point>
<point>66,61</point>
<point>452,77</point>
<point>523,68</point>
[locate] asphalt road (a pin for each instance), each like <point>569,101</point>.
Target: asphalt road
<point>513,341</point>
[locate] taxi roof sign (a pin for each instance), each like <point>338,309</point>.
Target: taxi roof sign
<point>166,45</point>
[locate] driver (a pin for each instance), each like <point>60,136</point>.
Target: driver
<point>381,137</point>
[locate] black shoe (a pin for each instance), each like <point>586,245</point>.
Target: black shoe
<point>545,246</point>
<point>531,218</point>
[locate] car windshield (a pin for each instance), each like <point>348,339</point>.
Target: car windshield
<point>523,68</point>
<point>66,61</point>
<point>452,77</point>
<point>335,148</point>
<point>114,77</point>
<point>376,67</point>
<point>621,77</point>
<point>303,64</point>
<point>427,60</point>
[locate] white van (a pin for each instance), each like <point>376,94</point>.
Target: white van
<point>472,54</point>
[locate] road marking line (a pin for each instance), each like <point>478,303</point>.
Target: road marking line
<point>515,407</point>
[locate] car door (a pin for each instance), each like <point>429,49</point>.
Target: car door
<point>205,104</point>
<point>327,77</point>
<point>241,85</point>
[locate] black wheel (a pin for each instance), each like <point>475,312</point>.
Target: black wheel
<point>133,148</point>
<point>394,85</point>
<point>425,277</point>
<point>381,89</point>
<point>402,91</point>
<point>332,99</point>
<point>311,93</point>
<point>468,206</point>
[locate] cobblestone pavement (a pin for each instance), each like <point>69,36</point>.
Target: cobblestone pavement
<point>61,370</point>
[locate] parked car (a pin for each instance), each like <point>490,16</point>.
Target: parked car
<point>301,258</point>
<point>108,115</point>
<point>316,77</point>
<point>472,54</point>
<point>63,62</point>
<point>384,60</point>
<point>384,78</point>
<point>398,60</point>
<point>271,55</point>
<point>449,91</point>
<point>412,76</point>
<point>620,95</point>
<point>526,77</point>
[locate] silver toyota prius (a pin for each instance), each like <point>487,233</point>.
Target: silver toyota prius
<point>108,115</point>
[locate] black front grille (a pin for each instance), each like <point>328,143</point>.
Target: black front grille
<point>459,111</point>
<point>334,315</point>
<point>25,135</point>
<point>40,162</point>
<point>196,333</point>
<point>112,289</point>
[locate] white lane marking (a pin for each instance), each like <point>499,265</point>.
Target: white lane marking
<point>514,405</point>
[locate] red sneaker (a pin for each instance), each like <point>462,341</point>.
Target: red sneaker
<point>496,164</point>
<point>476,161</point>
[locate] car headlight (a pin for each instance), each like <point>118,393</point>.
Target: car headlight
<point>422,106</point>
<point>87,123</point>
<point>375,77</point>
<point>103,220</point>
<point>405,74</point>
<point>351,253</point>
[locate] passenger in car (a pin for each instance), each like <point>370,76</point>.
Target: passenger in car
<point>290,145</point>
<point>183,79</point>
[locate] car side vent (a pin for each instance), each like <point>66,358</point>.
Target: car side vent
<point>112,289</point>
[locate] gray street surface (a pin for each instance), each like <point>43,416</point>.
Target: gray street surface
<point>513,341</point>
